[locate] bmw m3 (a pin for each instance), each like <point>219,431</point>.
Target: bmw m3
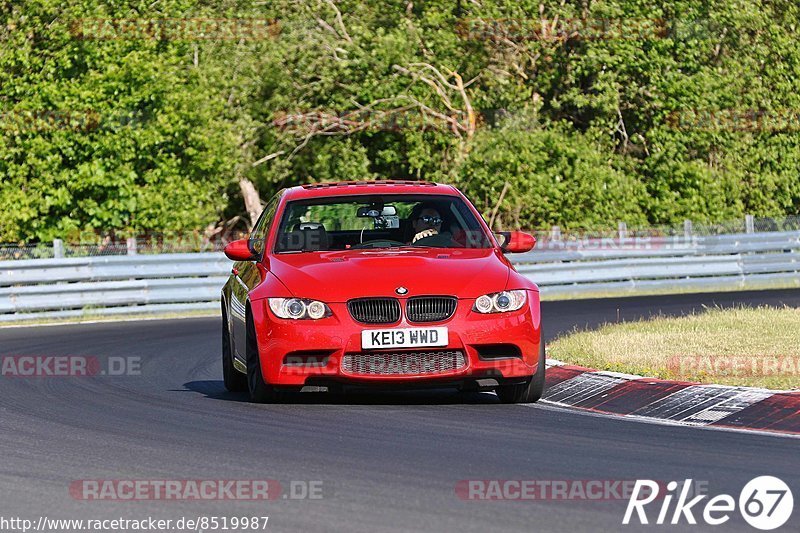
<point>379,284</point>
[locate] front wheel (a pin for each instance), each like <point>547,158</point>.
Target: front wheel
<point>529,391</point>
<point>260,391</point>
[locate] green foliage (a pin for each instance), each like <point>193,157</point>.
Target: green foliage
<point>554,176</point>
<point>132,134</point>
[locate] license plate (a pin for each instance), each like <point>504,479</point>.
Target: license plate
<point>372,339</point>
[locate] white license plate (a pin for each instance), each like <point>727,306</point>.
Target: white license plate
<point>372,339</point>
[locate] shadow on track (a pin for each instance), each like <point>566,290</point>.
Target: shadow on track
<point>215,389</point>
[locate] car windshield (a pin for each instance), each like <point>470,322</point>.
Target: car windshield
<point>379,221</point>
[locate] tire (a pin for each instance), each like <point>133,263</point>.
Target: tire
<point>260,391</point>
<point>530,391</point>
<point>234,380</point>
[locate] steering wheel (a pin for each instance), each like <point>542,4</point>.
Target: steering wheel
<point>378,243</point>
<point>440,239</point>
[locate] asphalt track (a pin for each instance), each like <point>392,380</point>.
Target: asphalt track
<point>388,462</point>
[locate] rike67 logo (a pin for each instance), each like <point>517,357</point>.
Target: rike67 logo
<point>765,503</point>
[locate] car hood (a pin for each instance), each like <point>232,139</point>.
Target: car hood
<point>342,275</point>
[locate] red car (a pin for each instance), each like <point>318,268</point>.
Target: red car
<point>379,284</point>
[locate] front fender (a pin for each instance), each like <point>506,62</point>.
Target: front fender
<point>271,287</point>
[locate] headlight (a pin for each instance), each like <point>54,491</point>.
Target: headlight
<point>299,308</point>
<point>500,302</point>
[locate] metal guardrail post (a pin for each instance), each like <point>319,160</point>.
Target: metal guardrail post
<point>58,248</point>
<point>623,230</point>
<point>555,233</point>
<point>131,242</point>
<point>687,230</point>
<point>749,224</point>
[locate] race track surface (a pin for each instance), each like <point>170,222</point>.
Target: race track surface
<point>388,462</point>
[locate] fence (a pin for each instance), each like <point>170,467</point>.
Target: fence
<point>133,284</point>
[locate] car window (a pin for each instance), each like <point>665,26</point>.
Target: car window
<point>258,236</point>
<point>379,221</point>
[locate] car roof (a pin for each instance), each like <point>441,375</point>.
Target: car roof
<point>348,188</point>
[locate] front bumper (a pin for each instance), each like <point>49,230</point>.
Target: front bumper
<point>294,353</point>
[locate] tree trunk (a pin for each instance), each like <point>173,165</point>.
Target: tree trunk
<point>252,201</point>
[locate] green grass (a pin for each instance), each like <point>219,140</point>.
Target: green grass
<point>755,347</point>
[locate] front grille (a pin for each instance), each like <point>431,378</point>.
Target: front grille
<point>375,310</point>
<point>430,308</point>
<point>403,363</point>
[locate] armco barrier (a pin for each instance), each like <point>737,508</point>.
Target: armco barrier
<point>54,288</point>
<point>60,288</point>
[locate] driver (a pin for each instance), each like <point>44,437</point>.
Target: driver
<point>425,221</point>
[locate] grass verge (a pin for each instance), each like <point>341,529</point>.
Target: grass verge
<point>754,347</point>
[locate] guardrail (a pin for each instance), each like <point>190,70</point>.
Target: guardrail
<point>134,284</point>
<point>629,265</point>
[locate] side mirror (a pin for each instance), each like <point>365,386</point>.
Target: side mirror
<point>239,251</point>
<point>515,242</point>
